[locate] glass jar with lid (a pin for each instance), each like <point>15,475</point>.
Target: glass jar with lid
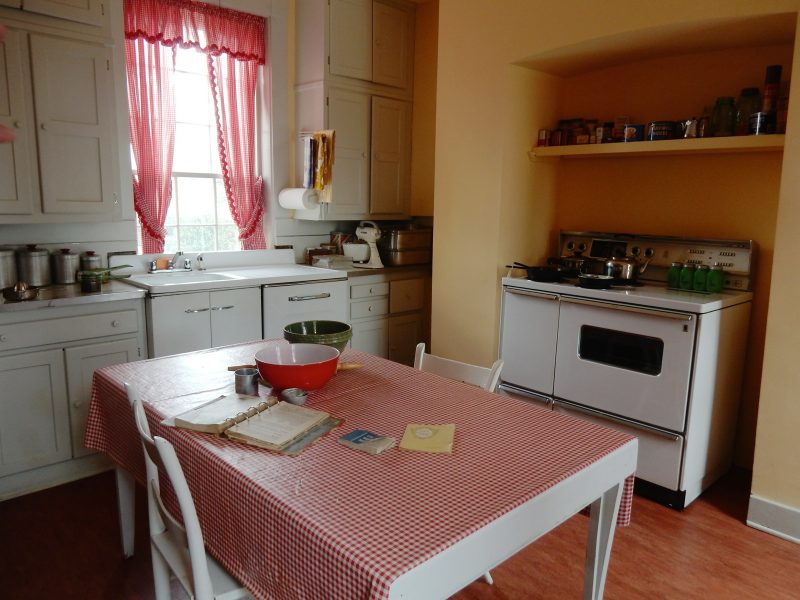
<point>674,275</point>
<point>723,117</point>
<point>687,277</point>
<point>700,278</point>
<point>716,279</point>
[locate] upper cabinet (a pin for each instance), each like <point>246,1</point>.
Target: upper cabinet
<point>56,94</point>
<point>354,75</point>
<point>91,12</point>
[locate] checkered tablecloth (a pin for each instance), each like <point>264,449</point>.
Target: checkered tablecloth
<point>333,522</point>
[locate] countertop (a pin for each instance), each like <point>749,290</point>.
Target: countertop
<point>360,271</point>
<point>71,295</point>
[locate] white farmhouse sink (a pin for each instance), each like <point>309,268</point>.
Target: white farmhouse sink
<point>180,280</point>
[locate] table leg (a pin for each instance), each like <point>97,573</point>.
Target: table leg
<point>602,524</point>
<point>126,497</point>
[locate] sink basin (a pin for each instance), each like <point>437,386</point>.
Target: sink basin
<point>179,280</point>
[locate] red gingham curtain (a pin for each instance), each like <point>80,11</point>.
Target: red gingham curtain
<point>235,45</point>
<point>151,100</point>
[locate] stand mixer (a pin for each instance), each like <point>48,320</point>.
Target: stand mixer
<point>370,233</point>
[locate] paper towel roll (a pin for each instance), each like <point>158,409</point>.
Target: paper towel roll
<point>298,198</point>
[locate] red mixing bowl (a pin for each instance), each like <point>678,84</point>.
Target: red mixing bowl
<point>306,366</point>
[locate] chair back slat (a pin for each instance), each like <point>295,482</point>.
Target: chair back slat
<point>483,377</point>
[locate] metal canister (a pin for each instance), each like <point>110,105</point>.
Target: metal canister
<point>65,266</point>
<point>33,266</point>
<point>8,269</point>
<point>90,260</point>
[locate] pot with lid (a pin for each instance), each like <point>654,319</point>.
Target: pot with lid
<point>625,269</point>
<point>576,264</point>
<point>33,265</point>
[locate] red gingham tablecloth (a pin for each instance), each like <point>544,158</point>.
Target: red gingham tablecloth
<point>333,522</point>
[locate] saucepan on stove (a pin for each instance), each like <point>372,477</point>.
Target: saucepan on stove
<point>625,269</point>
<point>576,264</point>
<point>550,273</point>
<point>595,282</point>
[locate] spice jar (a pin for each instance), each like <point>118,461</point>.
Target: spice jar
<point>700,278</point>
<point>674,275</point>
<point>748,103</point>
<point>687,277</point>
<point>716,279</point>
<point>723,117</point>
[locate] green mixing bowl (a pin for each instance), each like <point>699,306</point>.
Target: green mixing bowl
<point>329,333</point>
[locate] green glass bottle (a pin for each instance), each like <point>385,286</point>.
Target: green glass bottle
<point>687,277</point>
<point>674,275</point>
<point>700,278</point>
<point>715,280</point>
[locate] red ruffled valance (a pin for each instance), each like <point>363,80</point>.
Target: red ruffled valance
<point>211,29</point>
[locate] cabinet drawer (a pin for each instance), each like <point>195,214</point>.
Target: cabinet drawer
<point>368,290</point>
<point>53,331</point>
<point>407,294</point>
<point>369,308</point>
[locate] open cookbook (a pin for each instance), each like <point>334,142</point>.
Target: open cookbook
<point>274,426</point>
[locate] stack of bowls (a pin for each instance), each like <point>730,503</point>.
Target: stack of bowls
<point>330,333</point>
<point>304,366</point>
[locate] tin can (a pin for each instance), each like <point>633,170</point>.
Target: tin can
<point>660,130</point>
<point>544,137</point>
<point>633,133</point>
<point>760,123</point>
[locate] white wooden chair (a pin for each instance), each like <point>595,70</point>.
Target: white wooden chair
<point>483,377</point>
<point>177,548</point>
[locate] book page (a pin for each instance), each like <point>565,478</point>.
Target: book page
<point>278,426</point>
<point>218,414</point>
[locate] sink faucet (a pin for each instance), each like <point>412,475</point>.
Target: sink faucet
<point>174,258</point>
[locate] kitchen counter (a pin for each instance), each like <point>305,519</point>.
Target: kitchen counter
<point>360,271</point>
<point>70,295</point>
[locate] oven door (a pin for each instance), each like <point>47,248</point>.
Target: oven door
<point>629,361</point>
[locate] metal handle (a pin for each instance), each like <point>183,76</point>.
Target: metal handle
<point>196,310</point>
<point>633,309</point>
<point>616,419</point>
<point>312,297</point>
<point>223,307</point>
<point>541,295</point>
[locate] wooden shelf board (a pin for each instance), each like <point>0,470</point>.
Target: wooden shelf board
<point>745,143</point>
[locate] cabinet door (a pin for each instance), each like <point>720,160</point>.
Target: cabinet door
<point>371,337</point>
<point>17,160</point>
<point>91,12</point>
<point>349,115</point>
<point>404,334</point>
<point>407,294</point>
<point>391,147</point>
<point>81,364</point>
<point>72,95</point>
<point>179,323</point>
<point>528,335</point>
<point>392,45</point>
<point>34,419</point>
<point>351,38</point>
<point>235,316</point>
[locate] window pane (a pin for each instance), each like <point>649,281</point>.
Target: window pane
<point>192,99</point>
<point>228,236</point>
<point>172,211</point>
<point>191,60</point>
<point>223,210</point>
<point>192,149</point>
<point>195,201</point>
<point>196,238</point>
<point>171,241</point>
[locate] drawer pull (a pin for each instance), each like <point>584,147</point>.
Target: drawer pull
<point>196,310</point>
<point>3,338</point>
<point>115,323</point>
<point>223,307</point>
<point>312,297</point>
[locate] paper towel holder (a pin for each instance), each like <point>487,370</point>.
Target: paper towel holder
<point>298,198</point>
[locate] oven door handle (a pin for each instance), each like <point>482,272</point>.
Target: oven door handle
<point>634,309</point>
<point>541,295</point>
<point>616,419</point>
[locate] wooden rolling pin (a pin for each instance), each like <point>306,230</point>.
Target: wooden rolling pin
<point>346,366</point>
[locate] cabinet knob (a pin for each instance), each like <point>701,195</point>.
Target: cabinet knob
<point>369,309</point>
<point>115,323</point>
<point>17,124</point>
<point>77,404</point>
<point>43,126</point>
<point>3,338</point>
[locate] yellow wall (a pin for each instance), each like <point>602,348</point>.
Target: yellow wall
<point>423,126</point>
<point>492,208</point>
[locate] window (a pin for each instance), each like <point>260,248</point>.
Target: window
<point>199,218</point>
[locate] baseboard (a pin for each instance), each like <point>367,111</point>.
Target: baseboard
<point>49,476</point>
<point>771,517</point>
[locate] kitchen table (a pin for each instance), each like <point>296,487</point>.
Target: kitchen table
<point>333,522</point>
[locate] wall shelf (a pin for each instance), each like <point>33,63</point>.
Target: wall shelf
<point>746,143</point>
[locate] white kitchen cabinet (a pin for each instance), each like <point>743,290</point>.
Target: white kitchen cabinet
<point>389,313</point>
<point>34,418</point>
<point>18,184</point>
<point>351,38</point>
<point>392,44</point>
<point>390,173</point>
<point>57,95</point>
<point>47,359</point>
<point>91,12</point>
<point>81,363</point>
<point>199,320</point>
<point>349,116</point>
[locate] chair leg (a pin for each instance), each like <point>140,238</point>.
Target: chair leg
<point>487,577</point>
<point>160,575</point>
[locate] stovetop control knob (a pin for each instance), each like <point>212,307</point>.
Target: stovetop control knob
<point>635,250</point>
<point>582,247</point>
<point>570,245</point>
<point>649,252</point>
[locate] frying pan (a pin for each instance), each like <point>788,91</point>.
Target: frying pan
<point>551,273</point>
